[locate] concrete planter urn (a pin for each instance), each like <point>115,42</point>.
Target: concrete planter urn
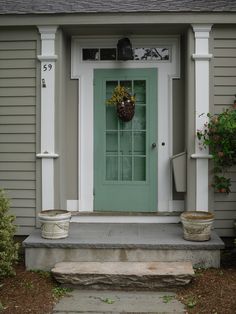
<point>54,223</point>
<point>197,225</point>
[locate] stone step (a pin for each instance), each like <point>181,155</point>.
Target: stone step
<point>126,275</point>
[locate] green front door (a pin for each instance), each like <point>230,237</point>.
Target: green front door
<point>125,153</point>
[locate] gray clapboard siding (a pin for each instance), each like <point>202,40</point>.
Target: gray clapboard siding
<point>18,185</point>
<point>224,70</point>
<point>225,90</point>
<point>15,138</point>
<point>225,232</point>
<point>17,82</point>
<point>225,206</point>
<point>17,64</point>
<point>17,166</point>
<point>222,100</point>
<point>21,45</point>
<point>225,52</point>
<point>230,214</point>
<point>18,202</point>
<point>18,175</point>
<point>17,73</point>
<point>26,119</point>
<point>22,230</point>
<point>18,147</point>
<point>17,157</point>
<point>220,108</point>
<point>25,221</point>
<point>18,54</point>
<point>17,91</point>
<point>225,61</point>
<point>223,223</point>
<point>24,212</point>
<point>225,81</point>
<point>17,128</point>
<point>17,101</point>
<point>18,110</point>
<point>18,51</point>
<point>224,43</point>
<point>221,197</point>
<point>21,194</point>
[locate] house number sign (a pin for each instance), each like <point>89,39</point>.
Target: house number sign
<point>47,67</point>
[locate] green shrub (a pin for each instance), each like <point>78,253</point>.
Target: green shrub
<point>219,135</point>
<point>8,249</point>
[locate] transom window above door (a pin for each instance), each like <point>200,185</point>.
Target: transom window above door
<point>140,54</point>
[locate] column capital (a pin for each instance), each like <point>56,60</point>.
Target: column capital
<point>201,30</point>
<point>47,30</point>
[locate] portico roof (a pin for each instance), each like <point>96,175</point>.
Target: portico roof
<point>113,6</point>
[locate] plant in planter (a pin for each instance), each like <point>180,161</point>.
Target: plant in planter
<point>220,135</point>
<point>124,101</point>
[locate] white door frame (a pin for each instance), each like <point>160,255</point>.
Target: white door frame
<point>83,71</point>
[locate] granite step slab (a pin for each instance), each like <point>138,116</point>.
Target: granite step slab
<point>86,301</point>
<point>120,275</point>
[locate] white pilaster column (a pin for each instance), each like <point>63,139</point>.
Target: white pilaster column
<point>48,59</point>
<point>202,59</point>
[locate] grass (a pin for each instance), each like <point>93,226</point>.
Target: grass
<point>59,292</point>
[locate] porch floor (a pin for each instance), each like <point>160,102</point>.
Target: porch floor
<point>130,236</point>
<point>98,242</point>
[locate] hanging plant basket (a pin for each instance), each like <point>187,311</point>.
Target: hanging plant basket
<point>125,103</point>
<point>126,110</point>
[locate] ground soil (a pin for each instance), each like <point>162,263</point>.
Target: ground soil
<point>27,292</point>
<point>212,291</point>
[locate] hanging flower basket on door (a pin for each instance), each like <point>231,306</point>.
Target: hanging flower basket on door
<point>125,103</point>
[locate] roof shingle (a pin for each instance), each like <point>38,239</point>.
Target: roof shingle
<point>113,6</point>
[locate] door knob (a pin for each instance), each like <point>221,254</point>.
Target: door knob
<point>154,145</point>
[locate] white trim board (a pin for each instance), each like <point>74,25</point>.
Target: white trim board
<point>201,59</point>
<point>83,71</point>
<point>125,219</point>
<point>47,153</point>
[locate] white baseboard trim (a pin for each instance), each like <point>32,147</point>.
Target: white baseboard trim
<point>72,205</point>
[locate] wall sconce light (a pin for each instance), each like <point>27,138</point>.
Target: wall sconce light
<point>124,49</point>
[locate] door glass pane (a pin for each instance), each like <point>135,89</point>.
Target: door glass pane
<point>140,91</point>
<point>125,125</point>
<point>111,143</point>
<point>125,143</point>
<point>127,85</point>
<point>91,54</point>
<point>139,120</point>
<point>111,168</point>
<point>139,143</point>
<point>110,86</point>
<point>107,54</point>
<point>125,168</point>
<point>111,117</point>
<point>139,168</point>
